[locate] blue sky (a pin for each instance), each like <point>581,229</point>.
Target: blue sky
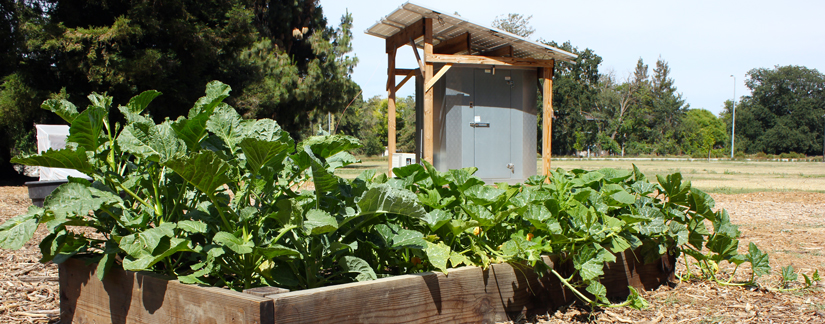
<point>704,42</point>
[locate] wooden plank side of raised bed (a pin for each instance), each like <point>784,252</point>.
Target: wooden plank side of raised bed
<point>129,297</point>
<point>465,295</point>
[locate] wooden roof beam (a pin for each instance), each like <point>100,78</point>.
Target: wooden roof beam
<point>506,50</point>
<point>401,38</point>
<point>487,60</point>
<point>458,44</point>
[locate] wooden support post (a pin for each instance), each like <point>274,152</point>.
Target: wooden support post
<point>547,119</point>
<point>390,110</point>
<point>428,94</point>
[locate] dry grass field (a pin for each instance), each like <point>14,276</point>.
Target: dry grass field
<point>723,176</point>
<point>729,177</point>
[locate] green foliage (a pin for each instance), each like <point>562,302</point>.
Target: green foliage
<point>515,23</point>
<point>208,199</point>
<point>784,112</point>
<point>282,58</point>
<point>211,199</point>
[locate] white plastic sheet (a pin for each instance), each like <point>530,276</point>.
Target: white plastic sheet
<point>54,137</point>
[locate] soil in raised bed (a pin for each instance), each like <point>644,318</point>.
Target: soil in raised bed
<point>790,226</point>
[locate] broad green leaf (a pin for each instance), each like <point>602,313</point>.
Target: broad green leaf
<point>75,199</point>
<point>18,230</point>
<point>438,255</point>
<point>145,260</point>
<point>615,176</point>
<point>598,290</point>
<point>137,104</point>
<point>193,227</point>
<point>357,265</point>
<point>587,179</point>
<point>788,274</point>
<point>61,107</point>
<point>759,261</point>
<point>216,92</point>
<point>416,171</point>
<point>643,188</point>
<point>283,276</point>
<point>339,160</point>
<point>483,195</point>
<point>204,169</point>
<point>618,244</point>
<point>439,178</point>
<point>327,146</point>
<point>636,301</point>
<point>260,152</point>
<point>382,199</point>
<point>480,214</point>
<point>157,143</point>
<point>225,123</point>
<point>152,237</point>
<point>723,226</point>
<point>655,227</point>
<point>437,218</point>
<point>463,178</point>
<point>100,100</point>
<point>234,243</point>
<point>104,265</point>
<point>324,180</point>
<point>702,203</point>
<point>409,239</point>
<point>86,128</point>
<point>65,158</point>
<point>457,259</point>
<point>319,222</point>
<point>623,198</point>
<point>192,130</point>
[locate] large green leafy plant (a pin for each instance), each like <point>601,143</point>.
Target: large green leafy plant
<point>209,198</point>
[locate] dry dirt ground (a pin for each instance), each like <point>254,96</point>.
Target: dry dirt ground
<point>790,226</point>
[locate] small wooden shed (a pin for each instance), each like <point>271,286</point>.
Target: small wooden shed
<point>453,42</point>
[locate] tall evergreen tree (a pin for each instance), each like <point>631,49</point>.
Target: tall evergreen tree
<point>281,58</point>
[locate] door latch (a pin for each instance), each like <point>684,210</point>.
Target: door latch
<point>512,167</point>
<point>472,105</point>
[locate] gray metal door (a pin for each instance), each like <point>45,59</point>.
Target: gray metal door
<point>491,123</point>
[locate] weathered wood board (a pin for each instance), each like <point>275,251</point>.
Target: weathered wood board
<point>500,293</point>
<point>130,297</point>
<point>465,295</point>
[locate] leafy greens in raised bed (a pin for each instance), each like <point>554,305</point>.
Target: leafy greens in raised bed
<point>214,199</point>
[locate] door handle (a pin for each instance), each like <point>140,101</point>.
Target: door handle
<point>480,125</point>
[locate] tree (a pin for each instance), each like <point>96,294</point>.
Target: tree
<point>575,90</point>
<point>514,23</point>
<point>280,57</point>
<point>784,112</point>
<point>701,131</point>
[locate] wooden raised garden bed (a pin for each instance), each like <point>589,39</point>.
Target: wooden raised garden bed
<point>466,295</point>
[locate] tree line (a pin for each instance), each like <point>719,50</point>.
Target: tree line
<point>285,62</point>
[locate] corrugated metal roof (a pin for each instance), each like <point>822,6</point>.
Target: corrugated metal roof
<point>446,26</point>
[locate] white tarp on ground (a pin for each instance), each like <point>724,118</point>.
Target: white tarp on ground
<point>54,137</point>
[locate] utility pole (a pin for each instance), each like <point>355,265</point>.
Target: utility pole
<point>733,124</point>
<point>823,139</point>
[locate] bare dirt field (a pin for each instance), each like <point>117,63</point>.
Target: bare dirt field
<point>789,225</point>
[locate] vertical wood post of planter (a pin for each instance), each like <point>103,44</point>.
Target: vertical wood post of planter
<point>547,117</point>
<point>428,93</point>
<point>390,107</point>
